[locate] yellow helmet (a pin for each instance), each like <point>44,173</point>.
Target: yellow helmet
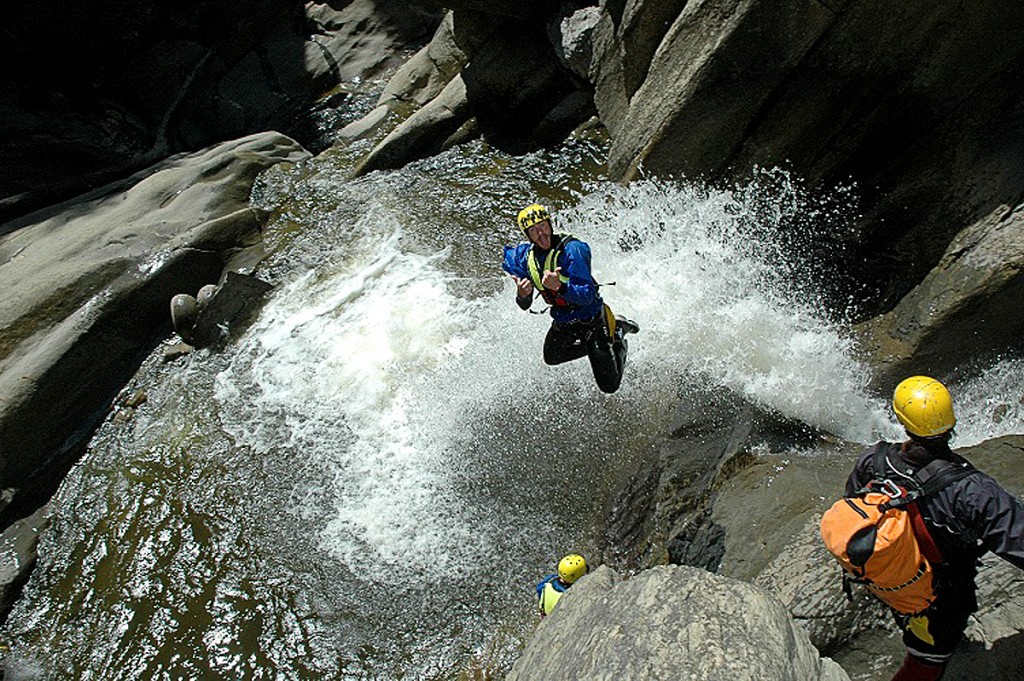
<point>531,215</point>
<point>571,568</point>
<point>923,406</point>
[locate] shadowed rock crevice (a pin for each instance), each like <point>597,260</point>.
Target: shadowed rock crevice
<point>93,93</point>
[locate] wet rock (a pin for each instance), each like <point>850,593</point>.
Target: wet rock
<point>365,126</point>
<point>670,622</point>
<point>427,73</point>
<point>572,35</point>
<point>184,312</point>
<point>175,351</point>
<point>205,294</point>
<point>18,556</point>
<point>966,309</point>
<point>89,286</point>
<point>136,399</point>
<point>229,308</point>
<point>425,132</point>
<point>494,76</point>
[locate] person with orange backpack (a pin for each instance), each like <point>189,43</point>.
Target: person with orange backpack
<point>939,514</point>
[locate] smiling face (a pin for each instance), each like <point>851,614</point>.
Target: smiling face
<point>540,234</point>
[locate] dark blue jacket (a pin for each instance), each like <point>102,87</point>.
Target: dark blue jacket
<point>581,291</point>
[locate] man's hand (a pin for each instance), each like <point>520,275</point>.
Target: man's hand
<point>551,280</point>
<point>524,287</point>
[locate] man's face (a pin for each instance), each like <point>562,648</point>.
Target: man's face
<point>540,234</point>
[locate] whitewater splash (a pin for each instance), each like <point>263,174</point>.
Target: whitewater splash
<point>387,466</point>
<point>384,366</point>
<point>376,363</point>
<point>707,282</point>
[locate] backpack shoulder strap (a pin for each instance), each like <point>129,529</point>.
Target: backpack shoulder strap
<point>941,473</point>
<point>879,464</point>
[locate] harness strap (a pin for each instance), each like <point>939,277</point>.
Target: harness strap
<point>929,479</point>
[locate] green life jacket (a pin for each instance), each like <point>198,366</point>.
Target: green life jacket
<point>550,263</point>
<point>549,598</point>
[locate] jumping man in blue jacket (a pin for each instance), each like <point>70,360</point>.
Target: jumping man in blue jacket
<point>557,266</point>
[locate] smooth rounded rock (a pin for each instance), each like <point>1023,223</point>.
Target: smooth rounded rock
<point>205,294</point>
<point>184,312</point>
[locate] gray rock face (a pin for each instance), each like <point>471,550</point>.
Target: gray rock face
<point>94,92</point>
<point>670,622</point>
<point>966,307</point>
<point>89,283</point>
<point>572,37</point>
<point>18,555</point>
<point>903,104</point>
<point>483,74</point>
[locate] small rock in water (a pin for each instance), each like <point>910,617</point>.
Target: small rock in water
<point>137,398</point>
<point>176,351</point>
<point>205,294</point>
<point>184,312</point>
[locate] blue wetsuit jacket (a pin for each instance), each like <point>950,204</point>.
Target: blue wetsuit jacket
<point>581,291</point>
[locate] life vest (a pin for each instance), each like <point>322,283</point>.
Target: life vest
<point>549,597</point>
<point>550,297</point>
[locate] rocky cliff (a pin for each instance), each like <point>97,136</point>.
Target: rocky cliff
<point>670,622</point>
<point>915,107</point>
<point>94,92</point>
<point>913,111</point>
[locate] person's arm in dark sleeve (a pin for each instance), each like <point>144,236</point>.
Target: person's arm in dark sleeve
<point>861,473</point>
<point>996,515</point>
<point>524,303</point>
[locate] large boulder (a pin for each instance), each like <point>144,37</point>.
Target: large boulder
<point>482,74</point>
<point>670,622</point>
<point>908,106</point>
<point>96,91</point>
<point>88,285</point>
<point>690,102</point>
<point>966,309</point>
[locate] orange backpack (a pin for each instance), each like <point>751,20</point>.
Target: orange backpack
<point>880,539</point>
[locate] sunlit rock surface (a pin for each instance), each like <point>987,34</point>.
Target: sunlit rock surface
<point>87,287</point>
<point>670,622</point>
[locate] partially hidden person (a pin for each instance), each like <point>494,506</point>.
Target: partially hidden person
<point>961,514</point>
<point>551,588</point>
<point>556,266</point>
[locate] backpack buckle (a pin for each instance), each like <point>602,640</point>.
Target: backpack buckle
<point>891,489</point>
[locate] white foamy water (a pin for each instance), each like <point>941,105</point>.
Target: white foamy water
<point>990,404</point>
<point>340,370</point>
<point>702,282</point>
<point>375,366</point>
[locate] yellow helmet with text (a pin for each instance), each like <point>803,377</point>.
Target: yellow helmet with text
<point>571,568</point>
<point>924,407</point>
<point>531,215</point>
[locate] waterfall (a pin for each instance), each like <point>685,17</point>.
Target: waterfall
<point>370,479</point>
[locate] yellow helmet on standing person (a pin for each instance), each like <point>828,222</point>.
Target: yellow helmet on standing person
<point>923,406</point>
<point>531,215</point>
<point>571,568</point>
